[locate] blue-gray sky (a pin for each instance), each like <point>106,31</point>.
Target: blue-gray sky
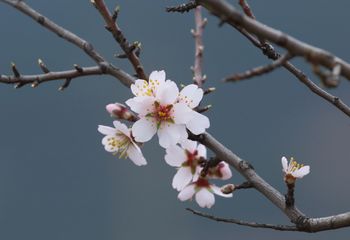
<point>56,180</point>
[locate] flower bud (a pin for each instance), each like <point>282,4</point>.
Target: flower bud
<point>120,111</point>
<point>228,188</point>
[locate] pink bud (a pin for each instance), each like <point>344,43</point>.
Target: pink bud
<point>228,188</point>
<point>120,111</point>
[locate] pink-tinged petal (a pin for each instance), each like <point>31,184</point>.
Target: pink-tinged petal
<point>144,129</point>
<point>157,76</point>
<point>198,123</point>
<point>182,113</point>
<point>197,173</point>
<point>141,105</point>
<point>182,178</point>
<point>187,193</point>
<point>140,88</point>
<point>109,148</point>
<point>135,155</point>
<point>175,156</point>
<point>121,127</point>
<point>301,172</point>
<point>202,151</point>
<point>183,132</point>
<point>111,107</point>
<point>191,95</point>
<point>205,198</point>
<point>168,134</point>
<point>167,93</point>
<point>284,164</point>
<point>189,145</point>
<point>217,191</point>
<point>225,171</point>
<point>106,130</point>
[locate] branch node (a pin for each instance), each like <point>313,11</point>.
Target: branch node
<point>182,8</point>
<point>42,66</point>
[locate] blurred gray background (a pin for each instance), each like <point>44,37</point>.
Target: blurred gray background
<point>56,180</point>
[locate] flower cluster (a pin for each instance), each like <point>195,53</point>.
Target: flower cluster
<point>159,107</point>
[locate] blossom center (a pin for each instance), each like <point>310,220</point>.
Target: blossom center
<point>192,160</point>
<point>120,143</point>
<point>162,113</point>
<point>202,182</point>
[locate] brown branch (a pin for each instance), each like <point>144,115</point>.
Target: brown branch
<point>182,8</point>
<point>244,223</point>
<point>112,26</point>
<point>259,70</point>
<point>302,223</point>
<point>199,78</point>
<point>229,14</point>
<point>87,47</point>
<point>37,79</point>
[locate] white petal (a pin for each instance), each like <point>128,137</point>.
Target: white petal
<point>225,171</point>
<point>187,193</point>
<point>135,155</point>
<point>182,178</point>
<point>140,88</point>
<point>168,134</point>
<point>106,130</point>
<point>167,93</point>
<point>144,129</point>
<point>205,198</point>
<point>217,191</point>
<point>191,95</point>
<point>198,123</point>
<point>157,76</point>
<point>122,128</point>
<point>189,145</point>
<point>301,172</point>
<point>109,148</point>
<point>284,164</point>
<point>182,113</point>
<point>202,151</point>
<point>141,105</point>
<point>175,156</point>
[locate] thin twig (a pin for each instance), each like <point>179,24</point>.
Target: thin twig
<point>112,26</point>
<point>87,47</point>
<point>244,223</point>
<point>199,78</point>
<point>182,8</point>
<point>259,70</point>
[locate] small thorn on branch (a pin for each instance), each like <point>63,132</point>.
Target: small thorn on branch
<point>18,85</point>
<point>204,109</point>
<point>209,90</point>
<point>15,71</point>
<point>116,13</point>
<point>35,84</point>
<point>42,66</point>
<point>182,8</point>
<point>78,68</point>
<point>65,84</point>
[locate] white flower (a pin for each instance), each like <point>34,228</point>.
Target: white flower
<point>187,159</point>
<point>203,192</point>
<point>160,114</point>
<point>163,110</point>
<point>119,140</point>
<point>293,170</point>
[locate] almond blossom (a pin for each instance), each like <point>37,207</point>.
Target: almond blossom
<point>119,140</point>
<point>293,170</point>
<point>163,110</point>
<point>187,159</point>
<point>203,192</point>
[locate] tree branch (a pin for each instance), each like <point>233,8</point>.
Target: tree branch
<point>244,223</point>
<point>185,7</point>
<point>87,47</point>
<point>259,70</point>
<point>112,26</point>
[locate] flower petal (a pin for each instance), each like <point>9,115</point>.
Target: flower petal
<point>135,155</point>
<point>109,147</point>
<point>182,113</point>
<point>168,134</point>
<point>187,193</point>
<point>182,178</point>
<point>175,156</point>
<point>301,172</point>
<point>205,198</point>
<point>106,130</point>
<point>202,151</point>
<point>198,123</point>
<point>225,171</point>
<point>189,145</point>
<point>141,105</point>
<point>121,127</point>
<point>167,93</point>
<point>144,129</point>
<point>217,191</point>
<point>191,95</point>
<point>157,77</point>
<point>140,88</point>
<point>284,164</point>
